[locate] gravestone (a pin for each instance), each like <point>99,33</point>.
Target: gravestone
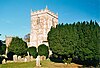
<point>42,57</point>
<point>25,60</point>
<point>28,53</point>
<point>38,61</point>
<point>32,58</point>
<point>19,58</point>
<point>28,58</point>
<point>22,59</point>
<point>15,58</point>
<point>4,61</point>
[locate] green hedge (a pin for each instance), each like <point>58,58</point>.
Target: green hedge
<point>32,51</point>
<point>43,50</point>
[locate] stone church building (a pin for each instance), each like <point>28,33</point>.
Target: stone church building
<point>41,22</point>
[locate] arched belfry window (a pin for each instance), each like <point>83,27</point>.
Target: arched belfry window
<point>52,21</point>
<point>38,20</point>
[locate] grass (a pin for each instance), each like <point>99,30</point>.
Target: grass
<point>18,65</point>
<point>44,64</point>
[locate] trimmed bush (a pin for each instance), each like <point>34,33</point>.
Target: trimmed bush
<point>43,50</point>
<point>32,51</point>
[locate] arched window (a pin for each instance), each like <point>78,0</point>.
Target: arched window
<point>38,20</point>
<point>52,21</point>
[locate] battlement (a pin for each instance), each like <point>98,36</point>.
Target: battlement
<point>8,36</point>
<point>43,11</point>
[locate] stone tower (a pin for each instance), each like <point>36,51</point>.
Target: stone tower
<point>41,22</point>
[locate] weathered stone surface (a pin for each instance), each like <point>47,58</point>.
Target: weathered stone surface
<point>38,61</point>
<point>15,58</point>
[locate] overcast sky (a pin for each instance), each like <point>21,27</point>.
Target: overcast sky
<point>15,14</point>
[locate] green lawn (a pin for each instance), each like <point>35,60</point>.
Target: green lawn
<point>44,64</point>
<point>18,65</point>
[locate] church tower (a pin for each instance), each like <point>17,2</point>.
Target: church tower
<point>41,22</point>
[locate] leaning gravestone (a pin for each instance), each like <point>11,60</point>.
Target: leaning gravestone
<point>4,61</point>
<point>38,61</point>
<point>15,58</point>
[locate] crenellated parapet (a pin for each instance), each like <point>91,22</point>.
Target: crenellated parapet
<point>44,11</point>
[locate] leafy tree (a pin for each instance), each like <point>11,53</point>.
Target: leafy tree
<point>32,51</point>
<point>27,38</point>
<point>43,50</point>
<point>18,46</point>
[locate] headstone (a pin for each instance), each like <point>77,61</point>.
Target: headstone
<point>28,58</point>
<point>4,61</point>
<point>32,58</point>
<point>19,58</point>
<point>28,53</point>
<point>22,59</point>
<point>25,60</point>
<point>50,53</point>
<point>15,58</point>
<point>38,61</point>
<point>42,57</point>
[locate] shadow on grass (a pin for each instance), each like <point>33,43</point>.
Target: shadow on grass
<point>57,59</point>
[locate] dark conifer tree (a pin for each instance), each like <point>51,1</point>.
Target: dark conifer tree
<point>79,40</point>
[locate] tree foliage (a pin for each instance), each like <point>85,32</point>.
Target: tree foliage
<point>27,38</point>
<point>32,51</point>
<point>2,48</point>
<point>43,50</point>
<point>1,43</point>
<point>18,46</point>
<point>79,40</point>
